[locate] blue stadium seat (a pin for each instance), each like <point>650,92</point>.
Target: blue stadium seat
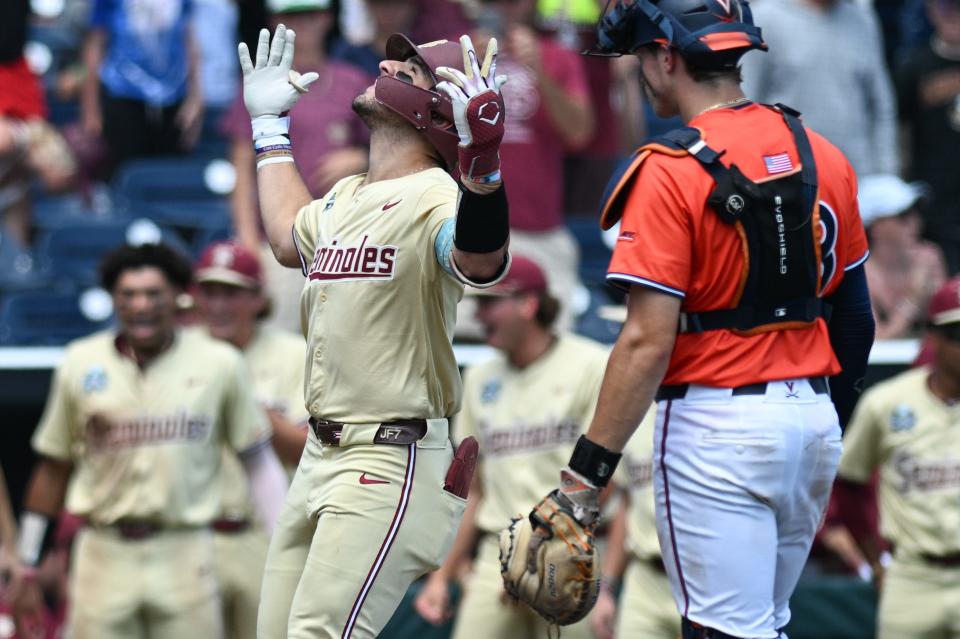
<point>44,318</point>
<point>175,191</point>
<point>64,210</point>
<point>171,179</point>
<point>72,252</point>
<point>18,267</point>
<point>186,214</point>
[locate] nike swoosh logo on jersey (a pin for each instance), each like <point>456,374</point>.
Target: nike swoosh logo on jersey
<point>366,481</point>
<point>390,205</point>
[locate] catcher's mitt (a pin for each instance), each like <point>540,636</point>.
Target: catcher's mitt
<point>548,561</point>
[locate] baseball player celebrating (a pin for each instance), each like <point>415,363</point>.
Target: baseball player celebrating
<point>386,255</point>
<point>907,427</point>
<point>739,237</point>
<point>231,301</point>
<point>133,433</point>
<point>526,409</point>
<point>633,554</point>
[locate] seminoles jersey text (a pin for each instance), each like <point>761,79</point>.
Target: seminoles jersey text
<point>365,261</point>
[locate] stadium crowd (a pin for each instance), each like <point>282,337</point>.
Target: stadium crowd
<point>124,123</point>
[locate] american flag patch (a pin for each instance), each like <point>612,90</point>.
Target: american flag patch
<point>779,163</point>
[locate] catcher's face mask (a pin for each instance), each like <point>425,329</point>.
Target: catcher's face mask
<point>711,33</point>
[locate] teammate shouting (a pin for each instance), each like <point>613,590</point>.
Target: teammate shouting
<point>386,255</point>
<point>134,426</point>
<point>739,234</point>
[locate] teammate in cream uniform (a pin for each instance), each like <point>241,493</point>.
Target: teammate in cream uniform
<point>633,554</point>
<point>386,256</point>
<point>133,433</point>
<point>907,427</point>
<point>231,301</point>
<point>526,408</point>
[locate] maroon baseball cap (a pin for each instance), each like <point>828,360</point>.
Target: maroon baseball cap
<point>524,276</point>
<point>229,263</point>
<point>945,304</point>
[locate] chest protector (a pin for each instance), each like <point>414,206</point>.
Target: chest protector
<point>777,221</point>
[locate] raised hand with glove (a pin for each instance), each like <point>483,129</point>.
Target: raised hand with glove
<point>548,560</point>
<point>270,88</point>
<point>478,112</point>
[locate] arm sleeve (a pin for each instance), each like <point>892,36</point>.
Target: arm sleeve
<point>247,426</point>
<point>54,436</point>
<point>861,443</point>
<point>851,335</point>
<point>268,484</point>
<point>441,205</point>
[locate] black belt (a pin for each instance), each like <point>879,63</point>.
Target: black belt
<point>400,432</point>
<point>951,560</point>
<point>679,391</point>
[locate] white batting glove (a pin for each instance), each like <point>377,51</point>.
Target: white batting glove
<point>272,87</point>
<point>478,111</point>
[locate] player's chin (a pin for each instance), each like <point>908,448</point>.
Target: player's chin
<point>142,337</point>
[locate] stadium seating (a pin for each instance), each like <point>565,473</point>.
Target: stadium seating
<point>70,254</point>
<point>44,317</point>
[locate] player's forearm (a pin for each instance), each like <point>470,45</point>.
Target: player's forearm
<point>282,194</point>
<point>92,55</point>
<point>636,366</point>
<point>615,558</point>
<point>465,540</point>
<point>572,117</point>
<point>43,502</point>
<point>48,487</point>
<point>288,438</point>
<point>8,527</point>
<point>243,199</point>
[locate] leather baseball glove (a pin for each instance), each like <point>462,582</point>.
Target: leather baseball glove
<point>548,560</point>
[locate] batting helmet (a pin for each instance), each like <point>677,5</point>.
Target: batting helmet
<point>711,34</point>
<point>429,110</point>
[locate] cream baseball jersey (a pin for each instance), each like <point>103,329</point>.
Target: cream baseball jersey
<point>635,474</point>
<point>902,427</point>
<point>527,422</point>
<point>275,361</point>
<point>377,300</point>
<point>147,443</point>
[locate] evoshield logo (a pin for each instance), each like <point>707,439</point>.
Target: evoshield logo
<point>781,233</point>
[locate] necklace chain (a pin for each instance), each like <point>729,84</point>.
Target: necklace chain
<point>723,105</point>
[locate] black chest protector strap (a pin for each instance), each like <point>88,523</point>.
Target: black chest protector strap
<point>778,220</point>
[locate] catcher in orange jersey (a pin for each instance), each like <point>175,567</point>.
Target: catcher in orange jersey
<point>748,321</point>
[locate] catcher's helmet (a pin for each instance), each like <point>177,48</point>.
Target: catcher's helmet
<point>429,110</point>
<point>712,34</point>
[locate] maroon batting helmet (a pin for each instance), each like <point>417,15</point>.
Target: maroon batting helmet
<point>428,110</point>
